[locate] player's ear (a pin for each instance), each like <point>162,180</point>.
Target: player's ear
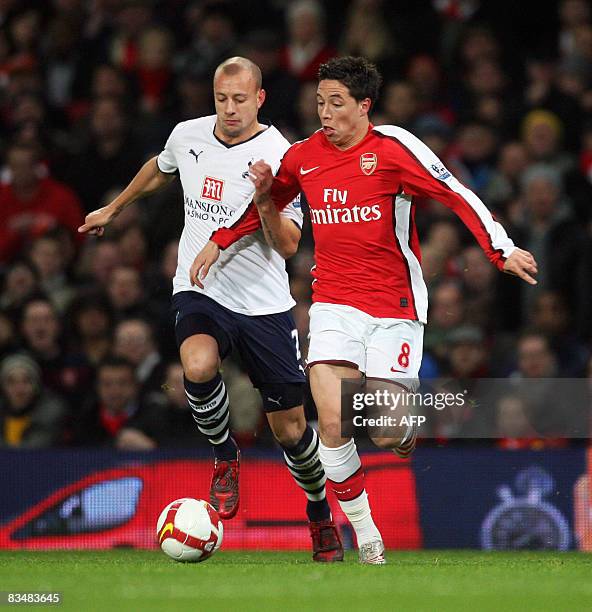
<point>365,105</point>
<point>260,98</point>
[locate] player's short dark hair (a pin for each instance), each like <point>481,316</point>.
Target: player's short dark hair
<point>360,76</point>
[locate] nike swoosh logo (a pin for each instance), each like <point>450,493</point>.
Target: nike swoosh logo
<point>401,371</point>
<point>168,528</point>
<point>303,171</point>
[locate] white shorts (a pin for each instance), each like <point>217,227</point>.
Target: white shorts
<point>379,347</point>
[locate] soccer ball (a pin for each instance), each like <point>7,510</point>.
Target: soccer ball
<point>189,530</point>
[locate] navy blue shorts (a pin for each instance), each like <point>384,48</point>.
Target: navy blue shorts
<point>267,344</point>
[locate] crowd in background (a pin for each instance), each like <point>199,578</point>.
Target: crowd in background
<point>90,89</point>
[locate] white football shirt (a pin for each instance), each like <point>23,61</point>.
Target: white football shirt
<point>249,277</point>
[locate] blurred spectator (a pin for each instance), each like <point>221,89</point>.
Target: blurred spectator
<point>308,118</point>
<point>98,259</point>
<point>133,247</point>
<point>31,204</point>
<point>160,285</point>
<point>424,73</point>
<point>49,255</point>
<point>132,18</point>
<point>399,105</point>
<point>504,185</point>
<point>24,30</point>
<point>444,240</point>
<point>100,421</point>
<point>154,71</point>
<point>551,317</point>
<point>160,288</point>
<point>553,410</point>
<point>29,122</point>
<point>468,354</point>
<point>30,417</point>
<point>21,282</point>
<point>91,319</point>
<point>63,59</point>
<point>41,331</point>
<point>447,309</point>
<point>134,341</point>
<point>264,48</point>
<point>572,14</point>
<point>536,358</point>
<point>435,133</point>
<point>542,133</point>
<point>546,228</point>
<point>514,429</point>
<point>484,79</point>
<point>213,39</point>
<point>366,33</point>
<point>246,416</point>
<point>194,94</point>
<point>110,158</point>
<point>473,162</point>
<point>126,292</point>
<point>554,86</point>
<point>479,278</point>
<point>307,48</point>
<point>167,419</point>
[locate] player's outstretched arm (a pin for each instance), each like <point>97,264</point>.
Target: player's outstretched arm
<point>148,180</point>
<point>280,232</point>
<point>522,264</point>
<point>421,172</point>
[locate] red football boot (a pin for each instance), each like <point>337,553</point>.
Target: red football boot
<point>326,542</point>
<point>224,487</point>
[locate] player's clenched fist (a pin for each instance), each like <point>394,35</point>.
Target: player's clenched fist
<point>522,264</point>
<point>262,177</point>
<point>201,265</point>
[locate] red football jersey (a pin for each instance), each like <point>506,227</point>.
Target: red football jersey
<point>361,207</point>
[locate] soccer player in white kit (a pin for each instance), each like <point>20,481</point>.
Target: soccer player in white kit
<point>246,300</point>
<point>369,297</point>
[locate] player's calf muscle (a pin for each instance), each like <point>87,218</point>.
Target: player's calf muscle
<point>287,426</point>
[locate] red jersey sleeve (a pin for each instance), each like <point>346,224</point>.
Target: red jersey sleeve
<point>284,189</point>
<point>420,172</point>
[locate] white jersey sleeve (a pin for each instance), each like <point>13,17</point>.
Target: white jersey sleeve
<point>294,211</point>
<point>166,160</point>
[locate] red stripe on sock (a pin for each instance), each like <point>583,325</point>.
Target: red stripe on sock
<point>350,488</point>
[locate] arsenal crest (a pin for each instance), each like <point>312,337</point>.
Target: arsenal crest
<point>368,162</point>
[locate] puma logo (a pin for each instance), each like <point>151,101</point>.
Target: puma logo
<point>275,401</point>
<point>196,155</point>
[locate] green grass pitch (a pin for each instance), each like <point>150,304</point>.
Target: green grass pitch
<point>122,580</point>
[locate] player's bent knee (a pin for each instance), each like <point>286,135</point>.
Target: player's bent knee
<point>199,369</point>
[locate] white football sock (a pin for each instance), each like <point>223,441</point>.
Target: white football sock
<point>343,469</point>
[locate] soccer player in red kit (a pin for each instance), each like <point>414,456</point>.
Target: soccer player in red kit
<point>369,298</point>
